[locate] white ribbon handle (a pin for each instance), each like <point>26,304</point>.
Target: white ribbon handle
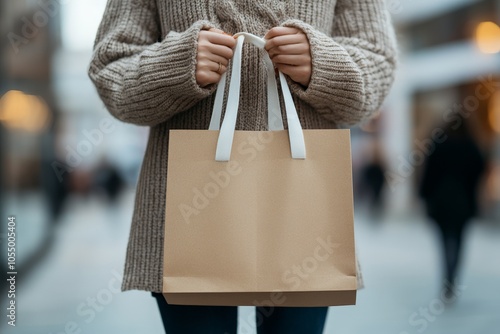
<point>274,119</point>
<point>226,134</point>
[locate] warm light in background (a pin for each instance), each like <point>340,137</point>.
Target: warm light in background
<point>488,37</point>
<point>20,111</point>
<point>494,112</point>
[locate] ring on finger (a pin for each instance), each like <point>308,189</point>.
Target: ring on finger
<point>219,69</point>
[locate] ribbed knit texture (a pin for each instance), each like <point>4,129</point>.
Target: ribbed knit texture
<point>144,65</point>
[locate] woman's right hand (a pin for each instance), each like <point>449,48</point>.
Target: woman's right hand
<point>215,49</point>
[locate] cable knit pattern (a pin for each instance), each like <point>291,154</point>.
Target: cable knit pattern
<point>144,65</point>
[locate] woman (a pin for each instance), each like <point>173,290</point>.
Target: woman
<point>156,63</point>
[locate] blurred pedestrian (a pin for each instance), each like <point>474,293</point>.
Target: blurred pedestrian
<point>108,179</point>
<point>373,179</point>
<point>449,188</point>
<point>157,63</point>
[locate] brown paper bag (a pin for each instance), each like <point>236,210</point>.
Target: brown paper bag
<point>265,227</point>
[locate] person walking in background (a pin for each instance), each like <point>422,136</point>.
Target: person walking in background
<point>449,189</point>
<point>373,179</point>
<point>156,63</point>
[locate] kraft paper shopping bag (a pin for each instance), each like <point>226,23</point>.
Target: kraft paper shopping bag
<point>259,217</point>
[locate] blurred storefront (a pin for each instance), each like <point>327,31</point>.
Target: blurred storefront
<point>57,139</point>
<point>449,65</point>
<point>52,119</point>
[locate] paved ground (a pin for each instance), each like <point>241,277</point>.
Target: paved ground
<point>74,289</point>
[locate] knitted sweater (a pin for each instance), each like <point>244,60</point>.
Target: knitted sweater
<point>144,65</point>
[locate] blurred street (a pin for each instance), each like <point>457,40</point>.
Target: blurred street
<point>75,286</point>
<point>423,167</point>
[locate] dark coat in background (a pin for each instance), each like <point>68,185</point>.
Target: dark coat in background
<point>451,177</point>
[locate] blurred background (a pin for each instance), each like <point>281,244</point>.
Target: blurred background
<point>68,172</point>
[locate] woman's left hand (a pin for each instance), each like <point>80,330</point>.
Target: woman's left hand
<point>290,52</point>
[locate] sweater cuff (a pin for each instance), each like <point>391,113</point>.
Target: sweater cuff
<point>335,77</point>
<point>165,81</point>
<point>176,65</point>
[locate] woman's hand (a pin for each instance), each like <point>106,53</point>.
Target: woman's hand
<point>215,49</point>
<point>290,52</point>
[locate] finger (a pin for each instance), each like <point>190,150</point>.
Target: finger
<point>214,67</point>
<point>216,30</point>
<point>286,39</point>
<point>289,49</point>
<point>220,50</point>
<point>221,39</point>
<point>301,74</point>
<point>286,69</point>
<point>206,65</point>
<point>220,32</point>
<point>205,48</point>
<point>279,31</point>
<point>205,78</point>
<point>291,59</point>
<point>218,59</point>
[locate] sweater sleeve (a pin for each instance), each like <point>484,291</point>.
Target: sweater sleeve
<point>141,79</point>
<point>353,69</point>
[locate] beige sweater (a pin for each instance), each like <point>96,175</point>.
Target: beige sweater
<point>144,69</point>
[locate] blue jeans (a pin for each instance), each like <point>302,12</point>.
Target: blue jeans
<point>181,319</point>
